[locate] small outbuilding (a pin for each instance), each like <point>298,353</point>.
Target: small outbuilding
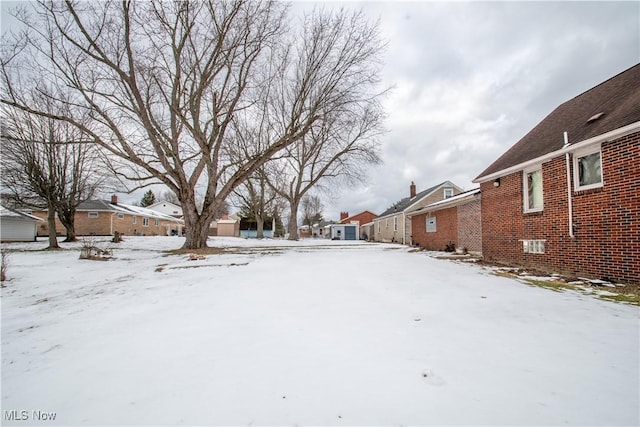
<point>342,232</point>
<point>17,226</point>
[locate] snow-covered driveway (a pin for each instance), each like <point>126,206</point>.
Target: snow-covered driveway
<point>306,333</point>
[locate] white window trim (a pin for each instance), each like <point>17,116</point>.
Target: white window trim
<point>156,222</point>
<point>533,246</point>
<point>135,219</point>
<point>395,223</point>
<point>120,216</point>
<point>525,189</point>
<point>447,190</point>
<point>93,215</point>
<point>576,175</point>
<point>145,222</point>
<point>435,224</point>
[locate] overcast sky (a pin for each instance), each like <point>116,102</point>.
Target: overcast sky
<point>472,78</point>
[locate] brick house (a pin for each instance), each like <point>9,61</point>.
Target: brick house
<point>104,218</point>
<point>565,198</point>
<point>364,220</point>
<point>393,226</point>
<point>455,220</point>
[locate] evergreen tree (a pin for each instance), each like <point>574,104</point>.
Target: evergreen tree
<point>148,199</point>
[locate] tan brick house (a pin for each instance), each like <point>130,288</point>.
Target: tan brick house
<point>104,218</point>
<point>454,221</point>
<point>566,198</point>
<point>393,225</point>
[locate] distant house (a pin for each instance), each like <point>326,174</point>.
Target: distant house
<point>393,226</point>
<point>17,226</point>
<point>450,222</point>
<point>566,197</point>
<point>364,221</point>
<point>167,208</point>
<point>104,218</point>
<point>342,232</point>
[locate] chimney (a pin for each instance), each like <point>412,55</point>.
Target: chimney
<point>114,199</point>
<point>344,215</point>
<point>412,190</point>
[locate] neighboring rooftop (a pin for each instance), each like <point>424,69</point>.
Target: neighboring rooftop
<point>610,105</point>
<point>13,214</point>
<point>408,201</point>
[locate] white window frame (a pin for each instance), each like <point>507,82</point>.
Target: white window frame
<point>525,189</point>
<point>577,155</point>
<point>93,215</point>
<point>447,192</point>
<point>156,222</point>
<point>145,222</point>
<point>431,225</point>
<point>379,225</point>
<point>120,216</point>
<point>386,224</point>
<point>395,223</point>
<point>135,219</point>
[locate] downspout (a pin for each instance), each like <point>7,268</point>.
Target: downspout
<point>404,228</point>
<point>569,198</point>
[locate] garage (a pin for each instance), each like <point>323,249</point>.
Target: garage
<point>343,232</point>
<point>17,226</point>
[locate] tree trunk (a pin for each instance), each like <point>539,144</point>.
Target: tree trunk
<point>259,226</point>
<point>67,220</point>
<point>293,221</point>
<point>51,222</point>
<point>196,227</point>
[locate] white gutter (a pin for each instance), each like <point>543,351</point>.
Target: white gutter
<point>614,134</point>
<point>569,198</point>
<point>404,228</point>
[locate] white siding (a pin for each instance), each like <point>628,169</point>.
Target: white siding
<point>12,230</point>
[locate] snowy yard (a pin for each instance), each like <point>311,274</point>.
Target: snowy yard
<point>304,333</point>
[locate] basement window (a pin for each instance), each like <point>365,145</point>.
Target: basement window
<point>533,246</point>
<point>587,169</point>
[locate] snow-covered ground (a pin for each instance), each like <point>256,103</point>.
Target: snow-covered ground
<point>304,333</point>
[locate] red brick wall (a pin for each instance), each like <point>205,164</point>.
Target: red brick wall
<point>606,220</point>
<point>101,226</point>
<point>446,229</point>
<point>362,218</point>
<point>470,226</point>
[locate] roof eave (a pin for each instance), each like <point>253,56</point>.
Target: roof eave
<point>608,136</point>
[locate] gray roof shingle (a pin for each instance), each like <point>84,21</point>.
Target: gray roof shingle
<point>408,201</point>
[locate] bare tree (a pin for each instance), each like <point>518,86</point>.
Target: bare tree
<point>48,164</point>
<point>311,205</point>
<point>257,200</point>
<point>165,84</point>
<point>343,142</point>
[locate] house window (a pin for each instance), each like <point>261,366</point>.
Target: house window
<point>145,222</point>
<point>379,225</point>
<point>386,223</point>
<point>431,224</point>
<point>395,223</point>
<point>156,222</point>
<point>135,219</point>
<point>93,214</point>
<point>533,246</point>
<point>532,190</point>
<point>587,169</point>
<point>448,192</point>
<point>120,216</point>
